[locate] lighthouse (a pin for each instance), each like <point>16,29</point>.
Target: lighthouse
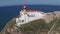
<point>25,7</point>
<point>27,16</point>
<point>22,13</point>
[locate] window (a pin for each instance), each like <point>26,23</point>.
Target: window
<point>22,20</point>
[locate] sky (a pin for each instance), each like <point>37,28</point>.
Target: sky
<point>29,2</point>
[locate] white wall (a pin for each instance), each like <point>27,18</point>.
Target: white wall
<point>37,15</point>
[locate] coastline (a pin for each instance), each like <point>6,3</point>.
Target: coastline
<point>9,24</point>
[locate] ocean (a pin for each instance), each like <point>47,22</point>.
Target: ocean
<point>9,12</point>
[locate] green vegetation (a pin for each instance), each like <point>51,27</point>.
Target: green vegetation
<point>11,23</point>
<point>39,26</point>
<point>57,27</point>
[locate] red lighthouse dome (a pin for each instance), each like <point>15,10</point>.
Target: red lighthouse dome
<point>24,6</point>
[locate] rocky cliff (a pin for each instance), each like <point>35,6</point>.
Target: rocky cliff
<point>41,26</point>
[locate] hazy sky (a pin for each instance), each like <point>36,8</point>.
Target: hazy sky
<point>19,2</point>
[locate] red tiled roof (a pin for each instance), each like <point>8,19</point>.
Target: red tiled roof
<point>33,11</point>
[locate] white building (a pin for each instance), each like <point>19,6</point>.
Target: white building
<point>28,16</point>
